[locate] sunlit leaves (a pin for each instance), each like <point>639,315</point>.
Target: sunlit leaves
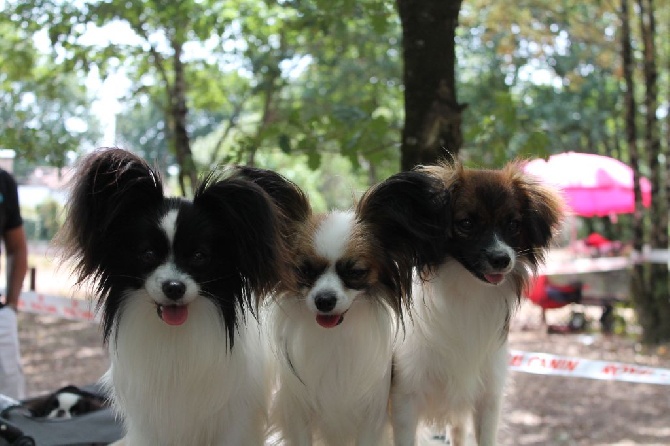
<point>44,111</point>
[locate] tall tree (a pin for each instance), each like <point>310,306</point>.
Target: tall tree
<point>432,112</point>
<point>540,77</point>
<point>652,141</point>
<point>658,277</point>
<point>323,79</point>
<point>640,291</point>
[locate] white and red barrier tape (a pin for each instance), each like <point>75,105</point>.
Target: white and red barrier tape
<point>547,364</point>
<point>67,308</point>
<point>529,362</point>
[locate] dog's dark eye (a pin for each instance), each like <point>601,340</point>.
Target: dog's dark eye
<point>309,272</point>
<point>148,256</point>
<point>355,274</point>
<point>355,278</point>
<point>465,225</point>
<point>199,259</point>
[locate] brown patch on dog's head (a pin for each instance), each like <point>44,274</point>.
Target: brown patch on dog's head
<point>307,264</point>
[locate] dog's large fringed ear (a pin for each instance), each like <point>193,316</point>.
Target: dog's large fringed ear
<point>294,210</point>
<point>289,198</point>
<point>545,209</point>
<point>285,193</point>
<point>250,224</point>
<point>107,183</point>
<point>408,214</point>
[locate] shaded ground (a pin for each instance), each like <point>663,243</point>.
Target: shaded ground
<point>58,352</point>
<point>540,410</point>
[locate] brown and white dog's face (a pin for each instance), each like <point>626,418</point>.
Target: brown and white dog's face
<point>501,221</point>
<point>339,261</point>
<point>341,257</point>
<point>334,260</point>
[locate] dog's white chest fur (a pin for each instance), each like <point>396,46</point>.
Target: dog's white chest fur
<point>455,350</point>
<point>334,382</point>
<point>169,382</point>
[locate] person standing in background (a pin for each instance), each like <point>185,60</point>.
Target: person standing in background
<point>12,381</point>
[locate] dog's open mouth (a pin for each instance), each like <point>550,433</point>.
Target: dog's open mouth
<point>173,314</point>
<point>329,320</point>
<point>495,279</point>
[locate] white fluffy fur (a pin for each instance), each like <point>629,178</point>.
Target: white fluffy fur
<point>333,382</point>
<point>222,393</point>
<point>333,233</point>
<point>66,401</point>
<point>452,362</point>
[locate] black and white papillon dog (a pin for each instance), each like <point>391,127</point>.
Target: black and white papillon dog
<point>178,282</point>
<point>65,403</point>
<point>452,363</point>
<point>333,328</point>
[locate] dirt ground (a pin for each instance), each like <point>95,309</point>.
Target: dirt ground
<point>539,410</point>
<point>552,410</point>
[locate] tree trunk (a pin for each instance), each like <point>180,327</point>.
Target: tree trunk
<point>659,208</point>
<point>666,164</point>
<point>629,118</point>
<point>267,117</point>
<point>659,232</point>
<point>644,304</point>
<point>432,128</point>
<point>179,112</point>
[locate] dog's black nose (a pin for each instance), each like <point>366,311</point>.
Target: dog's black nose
<point>325,301</point>
<point>174,289</point>
<point>499,261</point>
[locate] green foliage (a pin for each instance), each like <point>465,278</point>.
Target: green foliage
<point>273,76</point>
<point>333,184</point>
<point>312,79</point>
<point>541,79</point>
<point>142,129</point>
<point>44,111</point>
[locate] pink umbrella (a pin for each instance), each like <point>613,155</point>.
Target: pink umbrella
<point>593,185</point>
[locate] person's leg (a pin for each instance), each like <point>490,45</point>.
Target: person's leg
<point>12,382</point>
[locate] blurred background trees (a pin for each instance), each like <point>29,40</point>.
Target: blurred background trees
<point>44,109</point>
<point>339,94</point>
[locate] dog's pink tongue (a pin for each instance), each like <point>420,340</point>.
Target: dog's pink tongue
<point>174,314</point>
<point>494,278</point>
<point>328,320</point>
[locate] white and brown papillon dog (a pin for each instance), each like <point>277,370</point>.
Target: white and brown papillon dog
<point>178,282</point>
<point>333,331</point>
<point>451,365</point>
